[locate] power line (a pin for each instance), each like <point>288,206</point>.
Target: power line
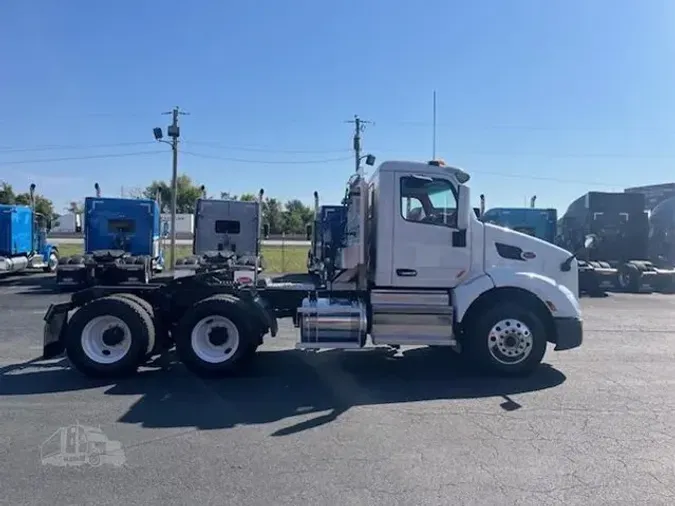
<point>266,162</point>
<point>545,178</point>
<point>57,147</point>
<point>264,150</point>
<point>74,158</point>
<point>505,154</point>
<point>497,174</point>
<point>254,149</point>
<point>462,125</point>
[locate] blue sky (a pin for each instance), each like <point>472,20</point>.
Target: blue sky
<point>553,98</point>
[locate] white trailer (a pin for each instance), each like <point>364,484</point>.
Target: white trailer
<point>184,223</point>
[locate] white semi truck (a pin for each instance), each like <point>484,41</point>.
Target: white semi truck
<point>439,278</point>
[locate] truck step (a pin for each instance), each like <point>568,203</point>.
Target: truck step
<point>412,318</point>
<point>335,345</point>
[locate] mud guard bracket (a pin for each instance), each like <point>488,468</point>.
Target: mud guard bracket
<point>56,322</point>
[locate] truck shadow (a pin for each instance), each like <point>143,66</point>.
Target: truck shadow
<point>30,282</point>
<point>284,385</point>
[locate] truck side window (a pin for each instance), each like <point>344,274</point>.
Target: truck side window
<point>428,200</point>
<point>228,227</point>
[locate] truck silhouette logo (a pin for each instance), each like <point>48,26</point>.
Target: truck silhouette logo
<point>78,445</point>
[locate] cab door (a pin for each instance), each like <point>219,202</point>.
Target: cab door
<point>428,249</point>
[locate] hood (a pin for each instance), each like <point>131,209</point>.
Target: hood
<point>508,249</point>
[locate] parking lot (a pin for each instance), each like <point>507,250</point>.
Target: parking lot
<point>593,426</point>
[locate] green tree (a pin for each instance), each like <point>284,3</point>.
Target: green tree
<point>273,215</point>
<point>43,206</point>
<point>296,217</point>
<point>187,195</point>
<point>7,195</point>
<point>248,197</point>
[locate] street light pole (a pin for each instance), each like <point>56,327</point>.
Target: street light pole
<point>173,131</point>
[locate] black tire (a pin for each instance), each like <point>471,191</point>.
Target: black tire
<point>479,339</point>
<point>629,278</point>
<point>155,346</point>
<point>142,331</point>
<point>52,262</point>
<point>233,310</point>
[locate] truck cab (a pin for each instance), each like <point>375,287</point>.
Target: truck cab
<point>444,244</point>
<point>23,240</point>
<point>121,243</point>
<point>226,234</point>
<point>325,235</point>
<point>662,233</point>
<point>621,258</point>
<point>430,271</point>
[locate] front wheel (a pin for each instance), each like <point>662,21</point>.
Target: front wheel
<point>508,339</point>
<point>52,263</point>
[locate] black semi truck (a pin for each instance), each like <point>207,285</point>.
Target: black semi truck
<point>620,258</point>
<point>662,233</point>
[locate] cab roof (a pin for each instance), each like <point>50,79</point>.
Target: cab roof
<point>433,167</point>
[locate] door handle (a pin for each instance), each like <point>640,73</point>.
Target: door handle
<point>406,272</point>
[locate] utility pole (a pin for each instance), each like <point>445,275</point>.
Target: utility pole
<point>173,131</point>
<point>433,148</point>
<point>359,126</point>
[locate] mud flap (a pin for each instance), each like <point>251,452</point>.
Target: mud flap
<point>56,322</point>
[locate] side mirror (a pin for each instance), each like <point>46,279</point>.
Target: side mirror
<point>165,229</point>
<point>308,233</point>
<point>266,231</point>
<point>463,207</point>
<point>48,225</point>
<point>591,241</point>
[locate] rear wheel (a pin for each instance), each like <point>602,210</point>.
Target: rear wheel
<point>507,339</point>
<point>155,346</point>
<point>109,337</point>
<point>214,338</point>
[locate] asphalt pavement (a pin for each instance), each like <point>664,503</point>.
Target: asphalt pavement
<point>592,426</point>
<point>185,242</point>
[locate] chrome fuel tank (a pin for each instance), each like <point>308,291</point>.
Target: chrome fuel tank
<point>332,322</point>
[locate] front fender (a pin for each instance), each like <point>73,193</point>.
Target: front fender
<point>558,298</point>
<point>47,250</point>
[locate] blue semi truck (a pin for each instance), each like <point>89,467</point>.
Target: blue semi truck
<point>23,244</point>
<point>329,223</point>
<point>122,242</point>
